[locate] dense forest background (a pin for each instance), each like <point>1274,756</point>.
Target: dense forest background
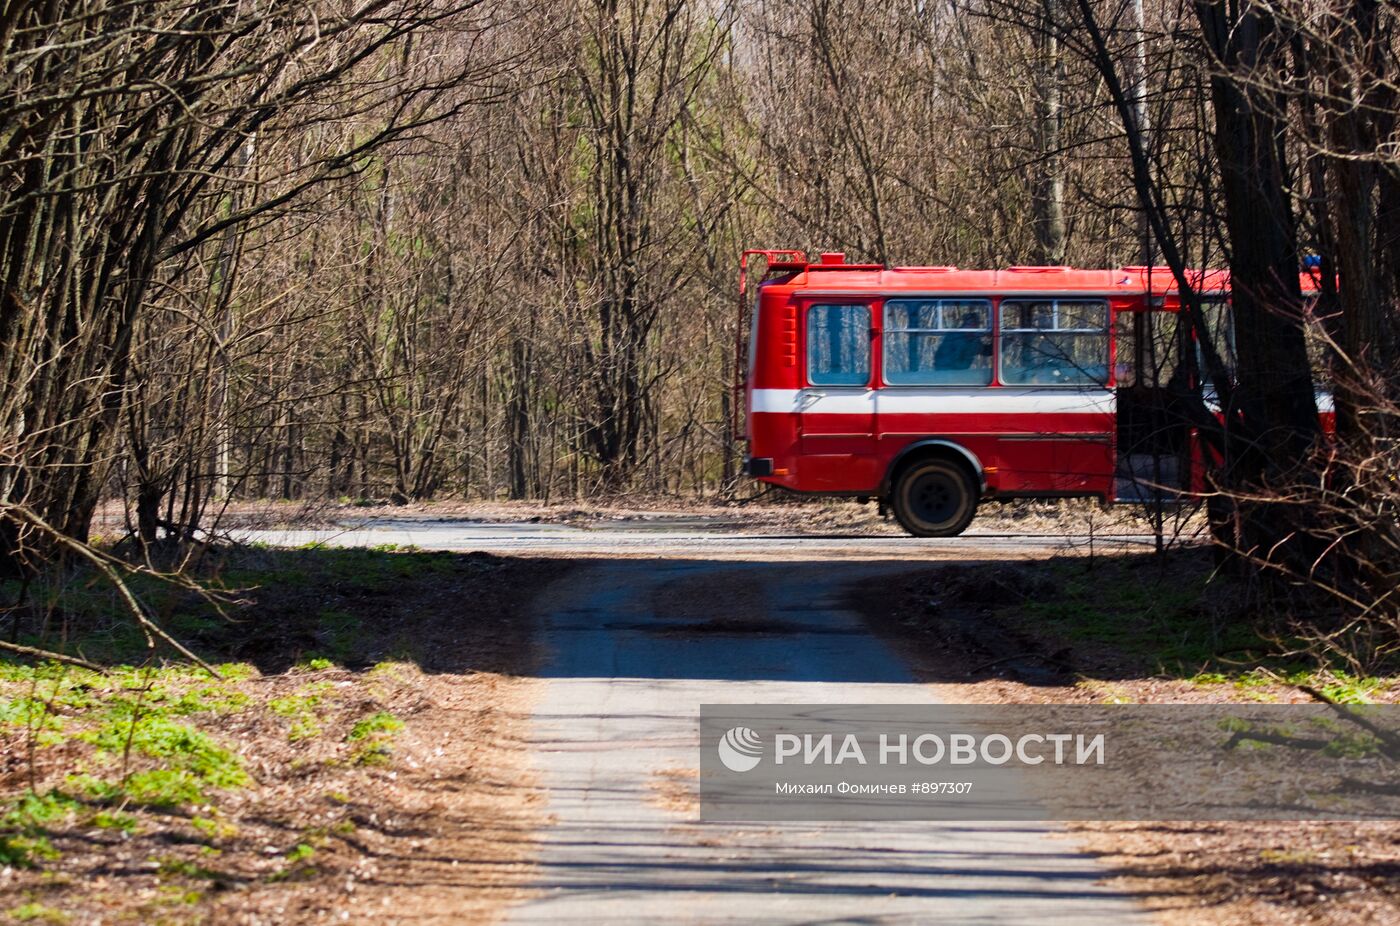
<point>402,249</point>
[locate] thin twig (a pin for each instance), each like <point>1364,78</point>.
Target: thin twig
<point>37,653</point>
<point>150,628</point>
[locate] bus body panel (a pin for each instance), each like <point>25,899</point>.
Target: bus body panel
<point>1022,441</point>
<point>843,439</point>
<point>1067,454</point>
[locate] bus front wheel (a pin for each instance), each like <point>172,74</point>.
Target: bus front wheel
<point>934,498</point>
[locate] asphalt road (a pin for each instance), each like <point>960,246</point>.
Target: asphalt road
<point>652,625</point>
<point>684,537</point>
<point>615,745</point>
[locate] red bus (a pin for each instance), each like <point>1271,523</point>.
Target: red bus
<point>933,388</point>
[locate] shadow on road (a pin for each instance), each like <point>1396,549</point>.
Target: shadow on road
<point>1042,622</point>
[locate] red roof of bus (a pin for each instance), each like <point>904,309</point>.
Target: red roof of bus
<point>831,276</point>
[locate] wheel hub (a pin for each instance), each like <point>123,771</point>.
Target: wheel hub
<point>935,498</point>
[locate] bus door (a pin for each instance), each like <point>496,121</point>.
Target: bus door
<point>1151,377</point>
<point>1055,355</point>
<point>836,405</point>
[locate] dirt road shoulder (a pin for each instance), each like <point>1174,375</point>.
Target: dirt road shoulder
<point>1145,630</point>
<point>358,761</point>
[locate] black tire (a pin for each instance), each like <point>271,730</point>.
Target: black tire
<point>934,498</point>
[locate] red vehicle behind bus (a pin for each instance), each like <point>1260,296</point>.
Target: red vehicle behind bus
<point>932,388</point>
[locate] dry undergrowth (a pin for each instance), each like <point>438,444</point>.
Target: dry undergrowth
<point>776,512</point>
<point>388,791</point>
<point>1254,874</point>
<point>1140,630</point>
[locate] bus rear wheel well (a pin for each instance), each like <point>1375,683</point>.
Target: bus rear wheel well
<point>932,450</point>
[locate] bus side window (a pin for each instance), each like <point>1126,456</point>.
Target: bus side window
<point>938,342</point>
<point>838,345</point>
<point>1054,342</point>
<point>1220,324</point>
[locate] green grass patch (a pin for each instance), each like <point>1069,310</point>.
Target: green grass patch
<point>299,853</point>
<point>178,744</point>
<point>139,760</point>
<point>112,820</point>
<point>1172,617</point>
<point>37,913</point>
<point>188,765</point>
<point>137,754</point>
<point>375,725</point>
<point>25,827</point>
<point>35,715</point>
<point>301,709</point>
<point>141,750</point>
<point>372,737</point>
<point>1344,688</point>
<point>297,867</point>
<point>211,828</point>
<point>171,866</point>
<point>275,608</point>
<point>1153,619</point>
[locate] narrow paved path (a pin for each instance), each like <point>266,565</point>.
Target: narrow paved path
<point>679,537</point>
<point>633,648</point>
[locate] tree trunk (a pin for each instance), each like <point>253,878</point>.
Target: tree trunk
<point>1274,395</point>
<point>1048,187</point>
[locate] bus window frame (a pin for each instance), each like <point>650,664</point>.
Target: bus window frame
<point>992,303</point>
<point>1105,331</point>
<point>805,313</point>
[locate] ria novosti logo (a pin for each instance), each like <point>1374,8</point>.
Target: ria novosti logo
<point>740,749</point>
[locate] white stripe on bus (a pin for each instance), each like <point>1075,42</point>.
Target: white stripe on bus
<point>848,400</point>
<point>1326,405</point>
